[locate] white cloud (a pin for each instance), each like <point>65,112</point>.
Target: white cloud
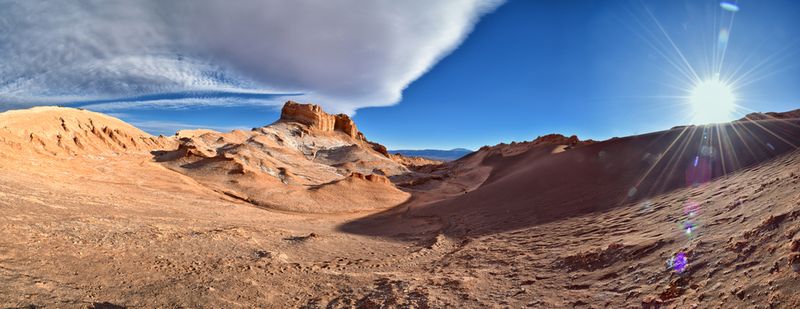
<point>343,54</point>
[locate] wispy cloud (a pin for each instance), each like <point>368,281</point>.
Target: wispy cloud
<point>170,127</point>
<point>344,55</point>
<point>182,100</point>
<point>133,105</point>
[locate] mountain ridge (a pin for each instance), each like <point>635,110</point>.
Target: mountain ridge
<point>434,154</point>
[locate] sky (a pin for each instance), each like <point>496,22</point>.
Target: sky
<point>414,74</point>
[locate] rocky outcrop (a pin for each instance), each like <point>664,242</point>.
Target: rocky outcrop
<point>309,114</point>
<point>556,143</point>
<point>413,161</point>
<point>313,116</point>
<point>306,159</point>
<point>192,133</point>
<point>379,148</point>
<point>317,119</point>
<point>345,124</point>
<point>794,114</point>
<point>371,178</point>
<point>556,139</point>
<point>549,139</point>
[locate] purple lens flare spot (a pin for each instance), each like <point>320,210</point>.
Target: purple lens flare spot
<point>699,172</point>
<point>679,262</point>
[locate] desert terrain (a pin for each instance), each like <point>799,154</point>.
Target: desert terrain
<point>307,212</point>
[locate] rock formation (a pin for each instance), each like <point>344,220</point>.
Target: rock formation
<point>308,114</point>
<point>414,161</point>
<point>192,133</point>
<point>546,140</point>
<point>318,120</point>
<point>371,178</point>
<point>345,124</point>
<point>315,118</point>
<point>294,163</point>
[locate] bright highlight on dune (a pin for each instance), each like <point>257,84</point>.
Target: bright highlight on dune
<point>712,101</point>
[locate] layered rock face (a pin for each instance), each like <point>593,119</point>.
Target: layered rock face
<point>308,114</point>
<point>313,116</point>
<point>318,120</point>
<point>345,124</point>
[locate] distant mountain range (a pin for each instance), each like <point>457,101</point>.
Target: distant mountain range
<point>435,154</point>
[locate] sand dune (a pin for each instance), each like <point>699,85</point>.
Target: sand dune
<point>537,186</point>
<point>68,131</point>
<point>530,183</point>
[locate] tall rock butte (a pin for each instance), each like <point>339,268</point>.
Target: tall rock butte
<point>313,116</point>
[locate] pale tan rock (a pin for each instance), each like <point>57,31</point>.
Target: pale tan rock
<point>192,133</point>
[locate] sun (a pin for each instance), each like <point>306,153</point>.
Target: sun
<point>712,101</point>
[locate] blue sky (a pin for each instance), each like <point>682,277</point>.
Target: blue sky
<point>578,67</point>
<point>596,69</point>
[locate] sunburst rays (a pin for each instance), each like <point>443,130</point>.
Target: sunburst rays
<point>733,145</point>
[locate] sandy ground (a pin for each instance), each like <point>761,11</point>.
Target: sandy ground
<point>147,236</point>
<point>123,230</point>
<point>150,237</point>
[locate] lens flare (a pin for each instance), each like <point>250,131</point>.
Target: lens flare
<point>691,209</point>
<point>728,6</point>
<point>700,171</point>
<point>689,227</point>
<point>722,38</point>
<point>679,262</point>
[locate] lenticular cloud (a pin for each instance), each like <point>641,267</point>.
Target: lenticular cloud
<point>344,54</point>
